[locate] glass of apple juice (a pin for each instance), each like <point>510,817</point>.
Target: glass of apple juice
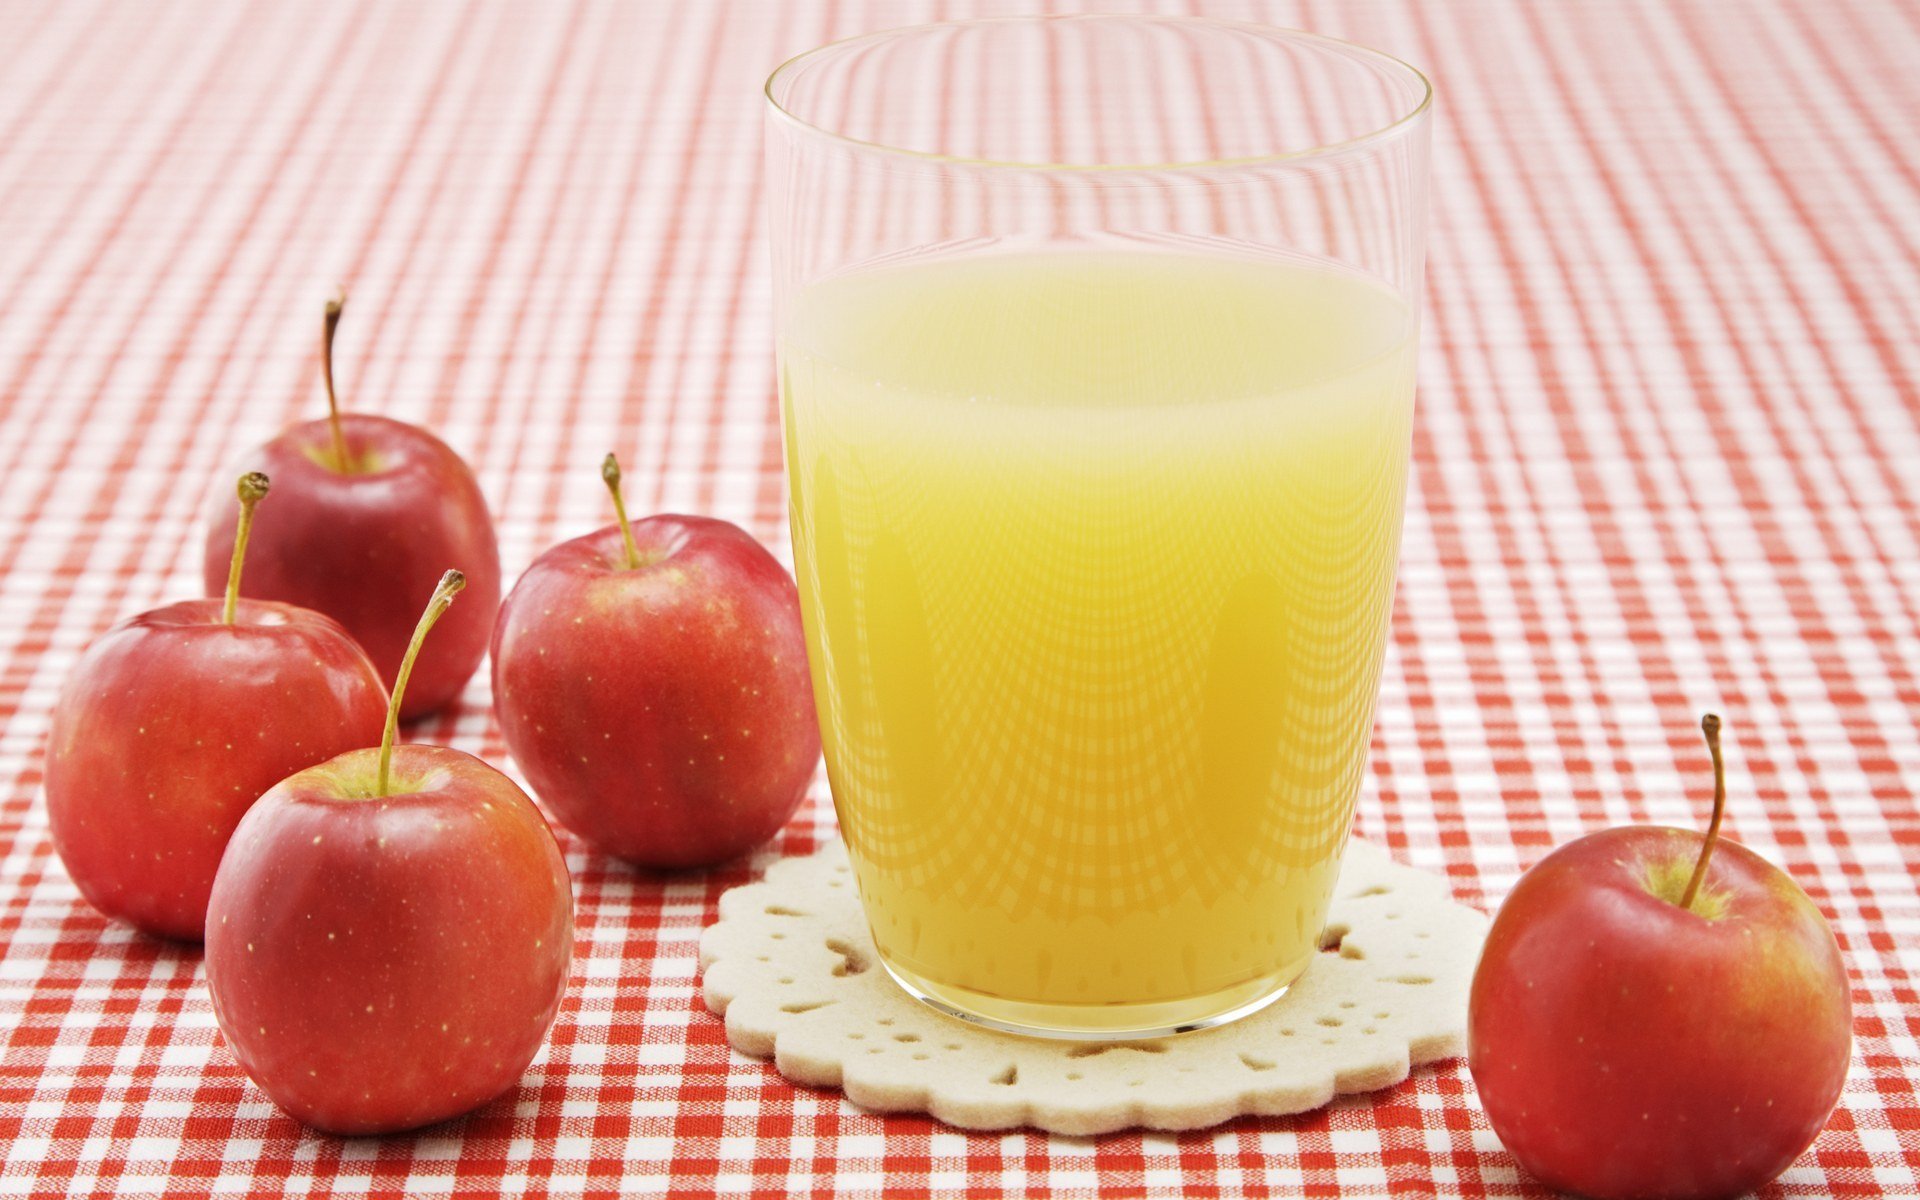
<point>1096,356</point>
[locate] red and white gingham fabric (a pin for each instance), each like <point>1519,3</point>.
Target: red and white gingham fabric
<point>1668,458</point>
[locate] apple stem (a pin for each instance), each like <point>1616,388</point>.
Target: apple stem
<point>334,304</point>
<point>610,472</point>
<point>442,599</point>
<point>1710,726</point>
<point>253,486</point>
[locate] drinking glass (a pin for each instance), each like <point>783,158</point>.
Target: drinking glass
<point>1096,351</point>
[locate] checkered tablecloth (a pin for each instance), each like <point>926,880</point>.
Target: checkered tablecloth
<point>1667,459</point>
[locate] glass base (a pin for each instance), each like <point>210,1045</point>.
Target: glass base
<point>1095,1022</point>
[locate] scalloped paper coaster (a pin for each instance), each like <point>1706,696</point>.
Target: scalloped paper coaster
<point>792,968</point>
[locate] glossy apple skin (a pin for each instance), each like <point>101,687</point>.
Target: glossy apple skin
<point>368,548</point>
<point>1627,1049</point>
<point>168,729</point>
<point>663,713</point>
<point>382,964</point>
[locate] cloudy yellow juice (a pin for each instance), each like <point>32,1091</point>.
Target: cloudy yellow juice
<point>1096,552</point>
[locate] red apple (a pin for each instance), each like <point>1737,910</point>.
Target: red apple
<point>389,934</point>
<point>651,680</point>
<point>1659,1015</point>
<point>174,722</point>
<point>360,499</point>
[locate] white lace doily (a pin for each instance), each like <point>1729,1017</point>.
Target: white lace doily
<point>791,967</point>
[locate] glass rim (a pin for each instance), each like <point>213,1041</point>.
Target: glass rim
<point>1344,146</point>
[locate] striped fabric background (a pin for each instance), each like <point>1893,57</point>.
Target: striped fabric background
<point>1667,458</point>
